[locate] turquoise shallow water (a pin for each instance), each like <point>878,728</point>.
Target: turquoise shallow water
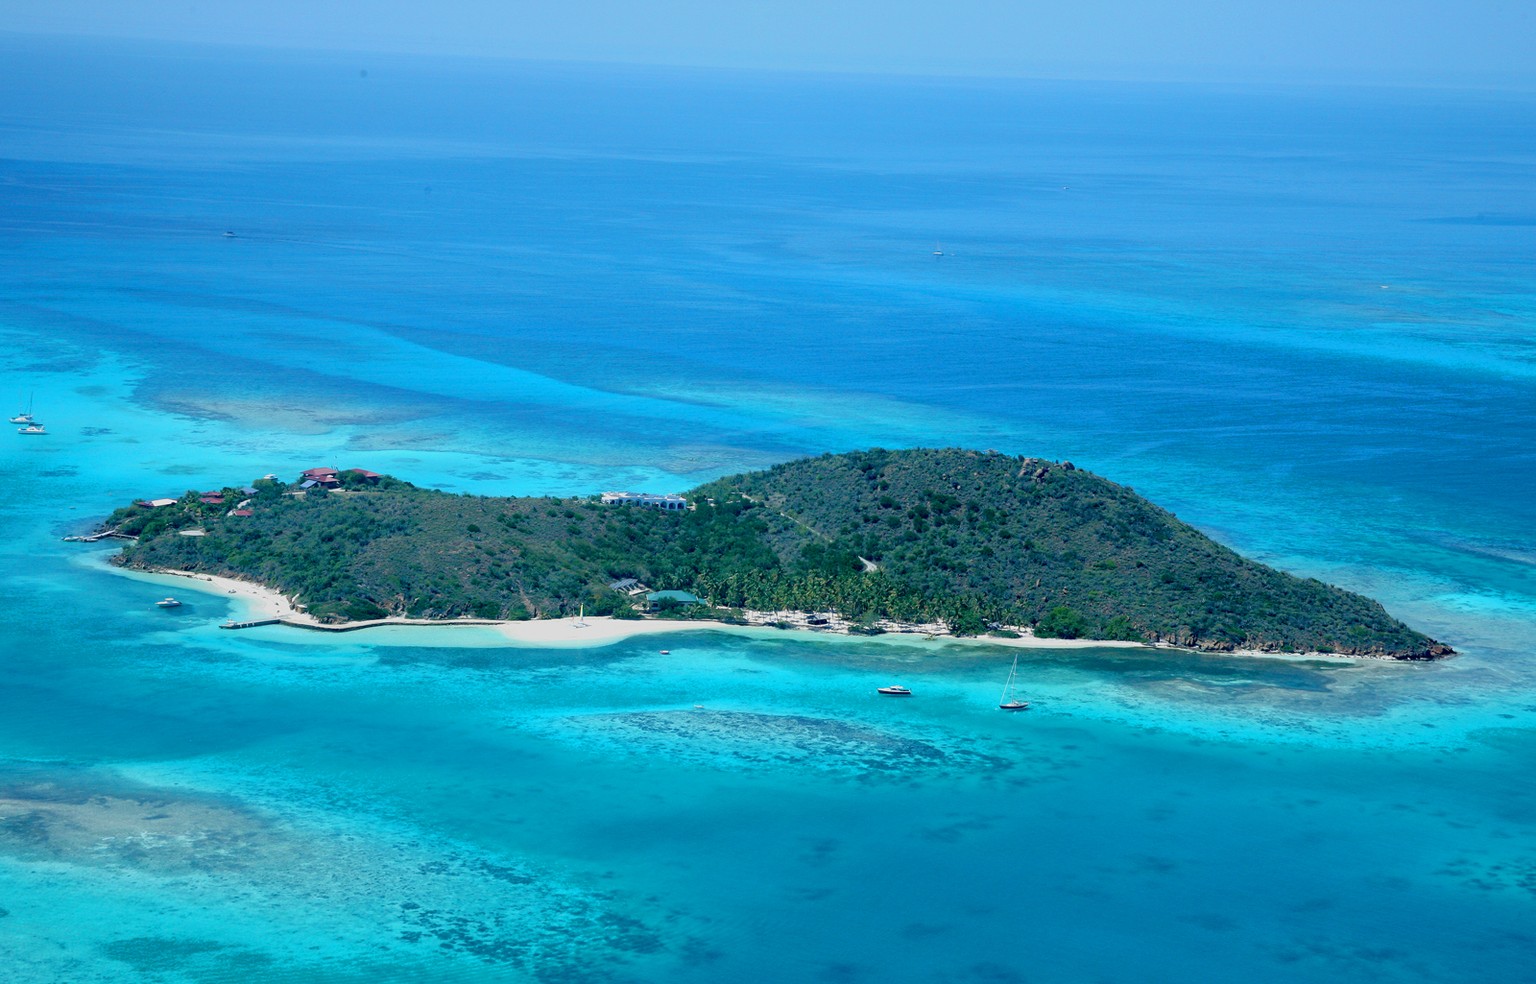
<point>1300,319</point>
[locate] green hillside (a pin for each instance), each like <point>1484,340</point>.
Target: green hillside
<point>973,539</point>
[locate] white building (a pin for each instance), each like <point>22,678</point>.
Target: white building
<point>668,503</point>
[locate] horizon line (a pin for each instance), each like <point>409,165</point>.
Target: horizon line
<point>1149,75</point>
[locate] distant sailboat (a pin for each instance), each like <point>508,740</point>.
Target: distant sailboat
<point>1010,701</point>
<point>581,618</point>
<point>24,416</point>
<point>937,250</point>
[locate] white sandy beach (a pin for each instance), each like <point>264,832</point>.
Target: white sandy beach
<point>258,603</point>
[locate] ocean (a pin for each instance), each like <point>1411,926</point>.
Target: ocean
<point>1302,318</point>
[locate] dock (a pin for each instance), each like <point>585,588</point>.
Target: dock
<point>253,623</point>
<point>104,534</point>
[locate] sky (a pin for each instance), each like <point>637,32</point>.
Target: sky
<point>1403,42</point>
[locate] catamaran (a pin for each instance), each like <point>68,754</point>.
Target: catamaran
<point>24,416</point>
<point>1010,701</point>
<point>32,429</point>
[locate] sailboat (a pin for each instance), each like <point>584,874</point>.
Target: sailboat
<point>1010,700</point>
<point>24,416</point>
<point>581,618</point>
<point>938,250</point>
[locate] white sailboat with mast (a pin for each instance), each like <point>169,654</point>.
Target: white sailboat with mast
<point>24,416</point>
<point>1010,700</point>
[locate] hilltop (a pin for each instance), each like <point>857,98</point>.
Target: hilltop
<point>977,540</point>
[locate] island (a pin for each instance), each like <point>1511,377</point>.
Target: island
<point>972,543</point>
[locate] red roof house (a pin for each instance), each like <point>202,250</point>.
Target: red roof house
<point>320,476</point>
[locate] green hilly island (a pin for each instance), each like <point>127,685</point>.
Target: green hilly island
<point>977,540</point>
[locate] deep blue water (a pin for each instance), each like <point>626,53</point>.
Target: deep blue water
<point>1303,319</point>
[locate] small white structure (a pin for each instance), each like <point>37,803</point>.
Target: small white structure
<point>667,503</point>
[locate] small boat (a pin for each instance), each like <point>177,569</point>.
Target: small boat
<point>666,652</point>
<point>893,691</point>
<point>168,603</point>
<point>937,250</point>
<point>32,429</point>
<point>24,416</point>
<point>1010,701</point>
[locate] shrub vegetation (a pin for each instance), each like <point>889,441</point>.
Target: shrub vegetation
<point>976,540</point>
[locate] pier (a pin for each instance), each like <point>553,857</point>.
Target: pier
<point>102,535</point>
<point>251,624</point>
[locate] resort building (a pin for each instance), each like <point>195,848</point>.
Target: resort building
<point>330,478</point>
<point>324,477</point>
<point>669,503</point>
<point>662,599</point>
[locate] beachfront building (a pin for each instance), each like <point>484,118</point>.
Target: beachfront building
<point>670,599</point>
<point>667,503</point>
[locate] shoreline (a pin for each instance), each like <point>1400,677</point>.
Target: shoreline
<point>269,606</point>
<point>264,603</point>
